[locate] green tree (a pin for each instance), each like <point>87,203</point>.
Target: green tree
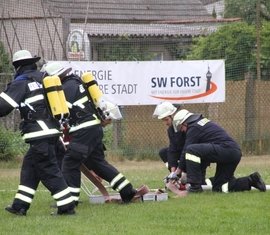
<point>265,50</point>
<point>5,66</point>
<point>235,43</point>
<point>214,13</point>
<point>246,9</point>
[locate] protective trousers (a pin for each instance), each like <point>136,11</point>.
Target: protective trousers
<point>86,147</point>
<point>39,164</point>
<point>96,162</point>
<point>199,156</point>
<point>75,155</point>
<point>169,158</point>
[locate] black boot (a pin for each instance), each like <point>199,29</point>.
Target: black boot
<point>21,211</point>
<point>195,188</point>
<point>68,209</point>
<point>134,195</point>
<point>257,182</point>
<point>64,212</point>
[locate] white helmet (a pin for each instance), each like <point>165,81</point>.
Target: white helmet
<point>55,68</point>
<point>23,57</point>
<point>164,109</point>
<point>180,117</point>
<point>111,110</point>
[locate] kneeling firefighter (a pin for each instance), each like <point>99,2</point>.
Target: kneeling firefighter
<point>207,142</point>
<point>41,131</point>
<point>86,132</point>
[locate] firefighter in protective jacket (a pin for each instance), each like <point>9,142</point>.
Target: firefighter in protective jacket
<point>40,131</point>
<point>86,134</point>
<point>206,142</point>
<point>170,155</point>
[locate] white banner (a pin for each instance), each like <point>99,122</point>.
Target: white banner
<point>151,82</point>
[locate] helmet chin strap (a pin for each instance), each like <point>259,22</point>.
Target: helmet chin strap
<point>17,69</point>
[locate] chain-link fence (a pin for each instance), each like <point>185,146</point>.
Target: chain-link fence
<point>155,30</point>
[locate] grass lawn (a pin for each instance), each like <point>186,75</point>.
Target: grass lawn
<point>206,213</point>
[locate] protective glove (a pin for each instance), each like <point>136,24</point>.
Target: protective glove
<point>172,176</point>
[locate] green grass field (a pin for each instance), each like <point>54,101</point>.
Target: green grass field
<point>206,213</point>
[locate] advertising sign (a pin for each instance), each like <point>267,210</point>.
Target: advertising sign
<point>151,82</point>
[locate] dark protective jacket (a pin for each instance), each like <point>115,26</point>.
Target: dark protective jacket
<point>202,130</point>
<point>25,93</point>
<point>176,142</point>
<point>82,111</point>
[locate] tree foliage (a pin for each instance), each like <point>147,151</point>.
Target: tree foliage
<point>265,50</point>
<point>235,43</point>
<point>11,144</point>
<point>246,9</point>
<point>5,66</point>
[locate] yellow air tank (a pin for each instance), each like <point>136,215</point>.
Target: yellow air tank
<point>92,87</point>
<point>105,109</point>
<point>56,97</point>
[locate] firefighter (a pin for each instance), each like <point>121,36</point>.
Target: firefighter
<point>40,131</point>
<point>206,142</point>
<point>86,134</point>
<point>171,154</point>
